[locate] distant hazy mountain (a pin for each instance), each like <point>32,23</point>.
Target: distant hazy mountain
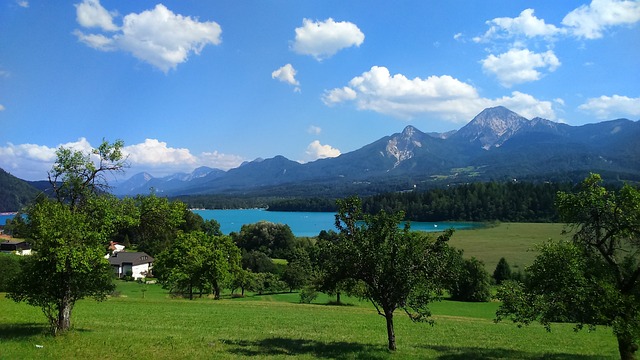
<point>497,144</point>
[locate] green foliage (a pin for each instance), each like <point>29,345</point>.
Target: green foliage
<point>197,262</point>
<point>274,240</point>
<point>160,220</point>
<point>472,282</point>
<point>595,278</point>
<point>308,294</point>
<point>68,265</point>
<point>10,270</point>
<point>399,268</point>
<point>502,271</point>
<point>69,235</point>
<point>298,270</point>
<point>513,202</point>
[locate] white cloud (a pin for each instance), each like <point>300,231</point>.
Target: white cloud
<point>31,161</point>
<point>590,21</point>
<point>24,4</point>
<point>442,97</point>
<point>155,152</point>
<point>323,39</point>
<point>525,105</point>
<point>158,36</point>
<point>526,24</point>
<point>315,151</point>
<point>607,107</point>
<point>90,14</point>
<point>315,130</point>
<point>519,65</point>
<point>2,107</point>
<point>286,74</point>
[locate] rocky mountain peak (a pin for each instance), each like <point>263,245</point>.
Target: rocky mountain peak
<point>492,127</point>
<point>401,146</point>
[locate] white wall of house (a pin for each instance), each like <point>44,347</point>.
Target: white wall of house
<point>140,271</point>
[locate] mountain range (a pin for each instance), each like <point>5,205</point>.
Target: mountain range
<point>497,144</point>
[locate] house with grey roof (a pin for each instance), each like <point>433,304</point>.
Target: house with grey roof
<point>139,264</point>
<point>16,247</point>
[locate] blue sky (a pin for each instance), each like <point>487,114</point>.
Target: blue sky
<point>191,83</point>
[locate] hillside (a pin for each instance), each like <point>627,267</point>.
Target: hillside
<point>14,193</point>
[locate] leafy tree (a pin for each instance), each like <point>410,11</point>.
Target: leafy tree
<point>197,262</point>
<point>160,220</point>
<point>502,271</point>
<point>592,280</point>
<point>399,268</point>
<point>298,270</point>
<point>275,240</point>
<point>69,234</point>
<point>258,262</point>
<point>472,282</point>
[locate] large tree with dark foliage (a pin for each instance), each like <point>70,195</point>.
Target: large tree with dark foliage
<point>593,279</point>
<point>399,269</point>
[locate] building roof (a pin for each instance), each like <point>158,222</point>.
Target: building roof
<point>133,258</point>
<point>14,245</point>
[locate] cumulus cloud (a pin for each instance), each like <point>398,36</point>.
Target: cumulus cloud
<point>323,39</point>
<point>443,97</point>
<point>158,36</point>
<point>90,14</point>
<point>607,107</point>
<point>31,161</point>
<point>286,74</point>
<point>526,24</point>
<point>590,21</point>
<point>519,65</point>
<point>316,151</point>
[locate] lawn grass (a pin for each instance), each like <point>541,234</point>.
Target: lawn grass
<point>275,327</point>
<point>145,322</point>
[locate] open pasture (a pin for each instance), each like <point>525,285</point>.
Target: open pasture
<point>144,322</point>
<point>275,327</point>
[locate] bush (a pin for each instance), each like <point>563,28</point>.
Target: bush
<point>308,294</point>
<point>472,283</point>
<point>9,269</point>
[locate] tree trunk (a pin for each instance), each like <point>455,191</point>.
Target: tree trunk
<point>627,347</point>
<point>216,291</point>
<point>64,316</point>
<point>388,314</point>
<point>338,298</point>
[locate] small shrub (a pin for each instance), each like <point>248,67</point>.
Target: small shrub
<point>308,294</point>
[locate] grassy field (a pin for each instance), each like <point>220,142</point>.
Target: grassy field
<point>144,322</point>
<point>513,241</point>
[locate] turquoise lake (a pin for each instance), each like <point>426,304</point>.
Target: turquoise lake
<point>301,223</point>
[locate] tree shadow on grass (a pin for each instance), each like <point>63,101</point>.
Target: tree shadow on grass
<point>475,353</point>
<point>27,330</point>
<point>21,331</point>
<point>280,346</point>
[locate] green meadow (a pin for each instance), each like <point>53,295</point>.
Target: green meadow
<point>145,322</point>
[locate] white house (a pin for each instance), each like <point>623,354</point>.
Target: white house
<point>138,263</point>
